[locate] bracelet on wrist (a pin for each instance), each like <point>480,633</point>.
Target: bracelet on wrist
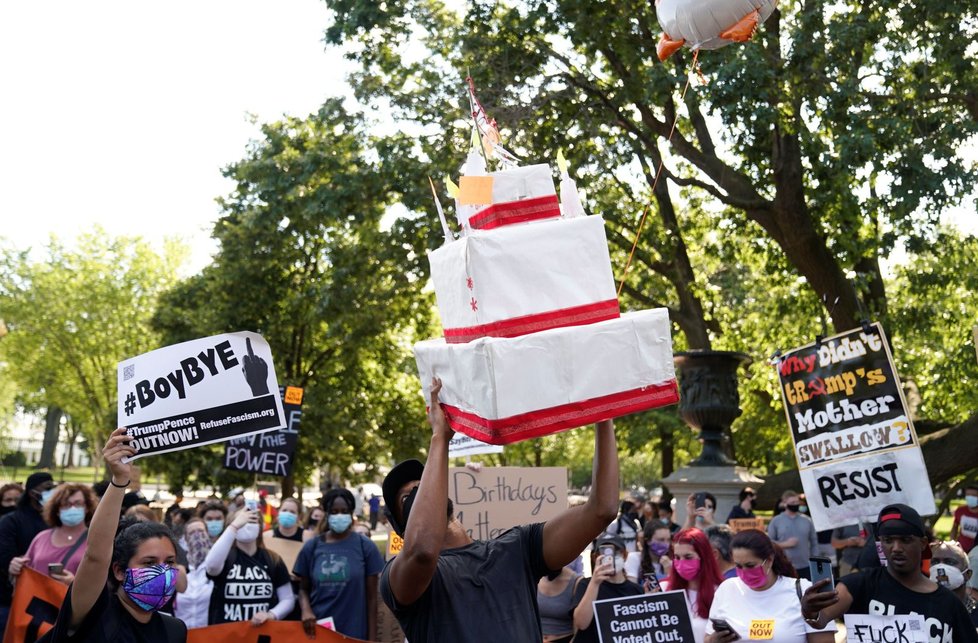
<point>119,486</point>
<point>812,619</point>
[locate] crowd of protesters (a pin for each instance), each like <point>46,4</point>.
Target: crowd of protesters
<point>155,574</point>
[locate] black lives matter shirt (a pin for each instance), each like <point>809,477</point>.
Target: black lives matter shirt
<point>245,586</point>
<point>874,591</point>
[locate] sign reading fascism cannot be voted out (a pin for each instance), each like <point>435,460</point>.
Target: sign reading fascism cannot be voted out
<point>199,392</point>
<point>855,444</point>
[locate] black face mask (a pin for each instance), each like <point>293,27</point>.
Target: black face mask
<point>6,510</point>
<point>792,508</point>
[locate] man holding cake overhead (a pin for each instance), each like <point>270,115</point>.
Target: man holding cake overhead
<point>446,586</point>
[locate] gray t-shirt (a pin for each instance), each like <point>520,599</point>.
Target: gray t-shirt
<point>849,554</point>
<point>487,588</point>
<point>783,527</point>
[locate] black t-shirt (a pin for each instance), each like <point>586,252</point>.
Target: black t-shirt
<point>875,591</point>
<point>484,590</point>
<point>606,590</point>
<point>245,586</point>
<point>108,620</point>
<point>297,536</point>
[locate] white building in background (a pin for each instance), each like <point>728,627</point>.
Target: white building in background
<point>26,435</point>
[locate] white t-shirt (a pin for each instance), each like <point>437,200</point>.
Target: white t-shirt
<point>633,565</point>
<point>749,611</point>
<point>698,622</point>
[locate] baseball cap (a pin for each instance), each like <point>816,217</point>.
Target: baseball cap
<point>900,520</point>
<point>609,539</point>
<point>402,473</point>
<point>37,479</point>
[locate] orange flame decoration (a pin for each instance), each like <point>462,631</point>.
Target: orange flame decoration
<point>488,130</point>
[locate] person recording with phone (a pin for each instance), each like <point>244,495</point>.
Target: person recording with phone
<point>763,600</point>
<point>251,583</point>
<point>700,509</point>
<point>898,588</point>
<point>607,581</point>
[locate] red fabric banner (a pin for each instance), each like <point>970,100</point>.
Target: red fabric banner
<point>516,326</point>
<point>510,212</point>
<point>271,632</point>
<point>37,599</point>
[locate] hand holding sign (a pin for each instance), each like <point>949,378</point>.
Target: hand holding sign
<point>117,453</point>
<point>255,371</point>
<point>436,415</point>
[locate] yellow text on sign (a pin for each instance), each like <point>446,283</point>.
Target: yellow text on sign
<point>293,395</point>
<point>761,630</point>
<point>394,544</point>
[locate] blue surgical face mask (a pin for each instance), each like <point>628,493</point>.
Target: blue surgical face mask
<point>71,516</point>
<point>46,495</point>
<point>287,519</point>
<point>971,501</point>
<point>214,527</point>
<point>339,523</point>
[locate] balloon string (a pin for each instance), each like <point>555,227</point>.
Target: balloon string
<point>658,173</point>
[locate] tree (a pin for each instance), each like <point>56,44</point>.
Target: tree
<point>817,147</point>
<point>305,259</point>
<point>73,315</point>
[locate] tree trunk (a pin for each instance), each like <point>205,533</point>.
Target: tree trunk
<point>52,431</point>
<point>288,486</point>
<point>667,442</point>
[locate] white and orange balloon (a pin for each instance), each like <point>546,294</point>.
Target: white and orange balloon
<point>708,24</point>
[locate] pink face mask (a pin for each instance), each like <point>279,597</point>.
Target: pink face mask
<point>753,577</point>
<point>688,568</point>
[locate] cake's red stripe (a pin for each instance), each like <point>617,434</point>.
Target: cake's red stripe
<point>500,214</point>
<point>527,324</point>
<point>560,418</point>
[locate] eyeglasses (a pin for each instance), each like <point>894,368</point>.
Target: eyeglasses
<point>76,503</point>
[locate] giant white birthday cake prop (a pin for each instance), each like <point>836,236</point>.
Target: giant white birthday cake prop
<point>534,342</point>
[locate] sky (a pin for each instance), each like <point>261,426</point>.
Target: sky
<point>123,113</point>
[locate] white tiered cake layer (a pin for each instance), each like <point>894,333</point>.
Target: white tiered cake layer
<point>503,390</point>
<point>516,280</point>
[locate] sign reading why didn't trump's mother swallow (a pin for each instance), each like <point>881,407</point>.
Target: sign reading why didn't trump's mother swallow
<point>199,392</point>
<point>854,440</point>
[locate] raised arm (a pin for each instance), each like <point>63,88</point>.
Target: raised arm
<point>94,566</point>
<point>218,555</point>
<point>567,535</point>
<point>424,534</point>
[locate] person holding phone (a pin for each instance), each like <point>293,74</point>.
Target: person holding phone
<point>607,581</point>
<point>763,601</point>
<point>58,551</point>
<point>700,509</point>
<point>251,583</point>
<point>898,588</point>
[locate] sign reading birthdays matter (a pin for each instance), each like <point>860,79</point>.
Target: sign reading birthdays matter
<point>199,392</point>
<point>855,444</point>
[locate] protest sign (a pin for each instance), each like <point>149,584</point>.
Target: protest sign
<point>743,524</point>
<point>394,544</point>
<point>268,632</point>
<point>874,628</point>
<point>34,609</point>
<point>493,499</point>
<point>199,392</point>
<point>287,548</point>
<point>462,445</point>
<point>269,453</point>
<point>646,618</point>
<point>855,444</point>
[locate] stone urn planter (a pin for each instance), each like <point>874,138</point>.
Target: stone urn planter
<point>708,398</point>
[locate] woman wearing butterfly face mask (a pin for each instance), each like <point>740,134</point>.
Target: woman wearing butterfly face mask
<point>338,572</point>
<point>607,581</point>
<point>139,562</point>
<point>251,583</point>
<point>192,603</point>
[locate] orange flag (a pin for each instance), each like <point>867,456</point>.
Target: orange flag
<point>37,599</point>
<point>271,632</point>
